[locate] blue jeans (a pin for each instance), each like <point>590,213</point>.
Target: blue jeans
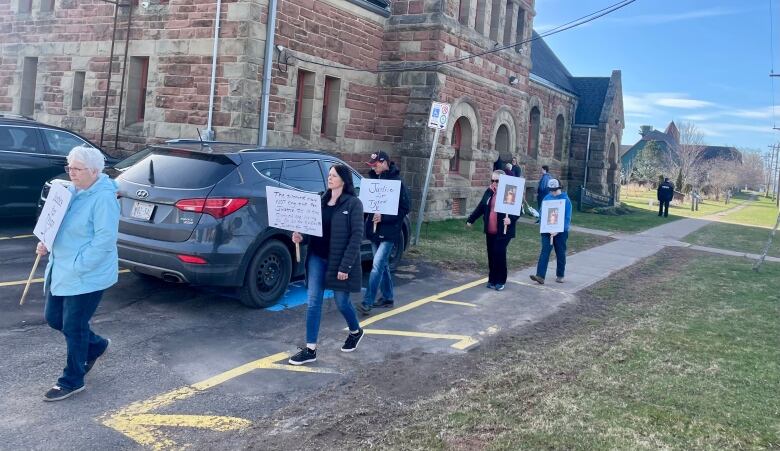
<point>70,315</point>
<point>315,287</point>
<point>380,277</point>
<point>559,243</point>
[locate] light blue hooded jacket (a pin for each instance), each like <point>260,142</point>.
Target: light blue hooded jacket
<point>84,256</point>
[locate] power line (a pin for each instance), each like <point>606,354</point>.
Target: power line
<point>559,29</point>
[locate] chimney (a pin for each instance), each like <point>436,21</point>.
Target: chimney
<point>645,129</point>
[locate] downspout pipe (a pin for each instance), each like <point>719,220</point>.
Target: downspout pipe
<point>587,159</point>
<point>208,134</point>
<point>270,31</point>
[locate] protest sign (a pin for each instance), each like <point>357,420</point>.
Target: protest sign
<point>53,211</point>
<point>509,195</point>
<point>553,216</point>
<point>296,211</point>
<point>380,196</point>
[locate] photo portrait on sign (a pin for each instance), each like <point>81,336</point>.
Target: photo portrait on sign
<point>552,212</point>
<point>510,195</point>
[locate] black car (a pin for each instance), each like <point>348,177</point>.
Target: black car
<point>30,154</point>
<point>196,213</point>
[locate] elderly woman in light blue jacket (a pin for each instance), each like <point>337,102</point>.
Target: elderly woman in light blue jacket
<point>83,262</point>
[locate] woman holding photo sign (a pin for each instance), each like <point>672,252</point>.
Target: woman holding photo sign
<point>83,263</point>
<point>333,261</point>
<point>551,239</point>
<point>499,230</point>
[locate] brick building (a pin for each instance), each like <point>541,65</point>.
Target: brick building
<point>518,101</point>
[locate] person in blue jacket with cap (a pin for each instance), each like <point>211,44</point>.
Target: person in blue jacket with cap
<point>558,239</point>
<point>83,262</point>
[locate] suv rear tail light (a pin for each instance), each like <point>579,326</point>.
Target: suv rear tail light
<point>192,259</point>
<point>219,207</point>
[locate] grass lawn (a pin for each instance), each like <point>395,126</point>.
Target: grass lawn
<point>641,199</point>
<point>451,245</point>
<point>736,238</point>
<point>677,352</point>
<point>639,220</point>
<point>762,213</point>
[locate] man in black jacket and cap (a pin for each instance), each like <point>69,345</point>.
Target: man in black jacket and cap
<point>665,195</point>
<point>384,236</point>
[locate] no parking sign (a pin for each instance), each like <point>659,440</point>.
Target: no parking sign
<point>440,113</point>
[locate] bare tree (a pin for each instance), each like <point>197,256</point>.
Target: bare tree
<point>689,159</point>
<point>722,175</point>
<point>752,172</point>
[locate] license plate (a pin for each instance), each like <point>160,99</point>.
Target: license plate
<point>142,210</point>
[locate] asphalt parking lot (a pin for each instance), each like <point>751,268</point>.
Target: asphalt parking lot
<point>188,365</point>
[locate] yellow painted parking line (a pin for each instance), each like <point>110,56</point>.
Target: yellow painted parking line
<point>15,237</point>
<point>463,341</point>
<point>464,304</point>
<point>423,301</point>
<point>547,287</point>
<point>39,280</point>
<point>138,423</point>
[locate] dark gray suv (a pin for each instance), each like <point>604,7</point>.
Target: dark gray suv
<point>195,213</point>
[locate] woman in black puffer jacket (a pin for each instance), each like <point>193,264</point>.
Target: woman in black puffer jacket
<point>333,261</point>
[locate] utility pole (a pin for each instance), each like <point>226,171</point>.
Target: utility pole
<point>770,169</point>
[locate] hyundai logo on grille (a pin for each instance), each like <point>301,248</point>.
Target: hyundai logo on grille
<point>142,194</point>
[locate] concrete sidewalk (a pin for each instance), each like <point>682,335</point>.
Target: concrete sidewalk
<point>593,265</point>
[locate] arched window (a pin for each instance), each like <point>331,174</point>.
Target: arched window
<point>534,124</point>
<point>612,172</point>
<point>559,137</point>
<point>502,143</point>
<point>457,139</point>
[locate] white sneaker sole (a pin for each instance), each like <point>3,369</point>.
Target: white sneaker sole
<point>356,344</point>
<point>302,362</point>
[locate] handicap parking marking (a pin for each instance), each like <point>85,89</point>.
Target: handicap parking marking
<point>295,296</point>
<point>38,280</point>
<point>17,237</point>
<point>138,422</point>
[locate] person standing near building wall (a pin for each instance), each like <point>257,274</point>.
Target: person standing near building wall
<point>384,231</point>
<point>665,196</point>
<point>516,171</point>
<point>542,190</point>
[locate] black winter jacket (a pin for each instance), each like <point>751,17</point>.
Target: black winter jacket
<point>389,229</point>
<point>346,234</point>
<point>666,192</point>
<point>483,209</point>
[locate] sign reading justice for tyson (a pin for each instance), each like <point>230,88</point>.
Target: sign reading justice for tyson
<point>296,211</point>
<point>380,196</point>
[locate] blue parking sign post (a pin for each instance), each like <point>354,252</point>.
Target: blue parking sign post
<point>437,120</point>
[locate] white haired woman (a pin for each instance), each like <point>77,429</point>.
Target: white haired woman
<point>82,264</point>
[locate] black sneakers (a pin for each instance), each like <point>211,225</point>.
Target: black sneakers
<point>305,355</point>
<point>58,393</point>
<point>363,309</point>
<point>90,363</point>
<point>384,303</point>
<point>537,279</point>
<point>353,340</point>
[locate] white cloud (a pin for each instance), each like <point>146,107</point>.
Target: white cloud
<point>688,104</point>
<point>757,113</point>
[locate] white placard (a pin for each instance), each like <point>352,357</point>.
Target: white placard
<point>553,216</point>
<point>509,195</point>
<point>53,211</point>
<point>440,113</point>
<point>380,196</point>
<point>296,211</point>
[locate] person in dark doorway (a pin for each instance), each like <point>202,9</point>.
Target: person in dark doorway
<point>83,263</point>
<point>333,261</point>
<point>558,239</point>
<point>542,190</point>
<point>516,171</point>
<point>498,164</point>
<point>384,231</point>
<point>499,230</point>
<point>665,195</point>
<point>508,169</point>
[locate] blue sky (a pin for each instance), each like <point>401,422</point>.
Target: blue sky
<point>703,61</point>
